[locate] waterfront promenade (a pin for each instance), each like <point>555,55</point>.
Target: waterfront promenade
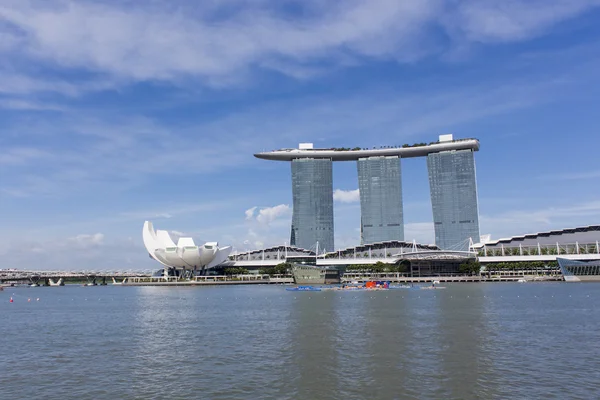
<point>358,278</point>
<point>137,279</point>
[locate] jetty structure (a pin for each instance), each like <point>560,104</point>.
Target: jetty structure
<point>452,182</point>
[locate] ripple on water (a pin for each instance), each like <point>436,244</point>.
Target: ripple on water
<point>467,342</point>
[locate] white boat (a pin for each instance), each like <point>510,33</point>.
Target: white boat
<point>522,280</point>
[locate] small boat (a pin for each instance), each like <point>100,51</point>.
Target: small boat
<point>432,287</point>
<point>304,289</point>
<point>401,287</point>
<point>522,280</point>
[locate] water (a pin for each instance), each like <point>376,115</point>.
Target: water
<point>470,341</point>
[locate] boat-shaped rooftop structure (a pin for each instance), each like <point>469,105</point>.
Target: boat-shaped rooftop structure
<point>306,150</point>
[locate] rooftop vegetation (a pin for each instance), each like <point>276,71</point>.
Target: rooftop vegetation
<point>404,146</point>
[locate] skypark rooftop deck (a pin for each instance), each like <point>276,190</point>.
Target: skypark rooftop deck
<point>354,154</point>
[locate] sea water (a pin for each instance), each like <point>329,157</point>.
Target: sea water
<point>469,341</point>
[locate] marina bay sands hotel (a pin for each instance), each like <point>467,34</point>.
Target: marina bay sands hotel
<point>452,183</point>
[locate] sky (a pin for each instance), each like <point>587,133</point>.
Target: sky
<point>113,112</point>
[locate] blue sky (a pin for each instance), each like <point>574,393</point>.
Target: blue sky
<point>113,112</point>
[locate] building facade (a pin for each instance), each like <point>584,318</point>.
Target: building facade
<point>452,182</point>
<point>380,187</point>
<point>312,193</point>
<point>453,189</point>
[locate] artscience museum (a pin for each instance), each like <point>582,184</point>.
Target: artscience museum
<point>184,259</point>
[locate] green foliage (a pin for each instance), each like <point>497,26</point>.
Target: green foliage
<point>472,267</point>
<point>522,265</point>
<point>405,145</point>
<point>235,271</point>
<point>379,267</point>
<point>279,269</point>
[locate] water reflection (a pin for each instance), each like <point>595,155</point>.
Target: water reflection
<point>465,342</point>
<point>462,332</point>
<point>313,342</point>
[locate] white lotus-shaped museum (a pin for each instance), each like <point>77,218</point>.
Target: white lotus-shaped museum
<point>185,254</point>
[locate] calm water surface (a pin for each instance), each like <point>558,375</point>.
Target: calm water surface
<point>470,341</point>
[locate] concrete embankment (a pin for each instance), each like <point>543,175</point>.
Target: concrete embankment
<point>212,281</point>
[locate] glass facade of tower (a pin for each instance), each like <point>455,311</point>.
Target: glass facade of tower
<point>312,191</point>
<point>453,198</point>
<point>379,183</point>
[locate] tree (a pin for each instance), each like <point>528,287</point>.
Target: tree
<point>378,267</point>
<point>471,267</point>
<point>235,271</point>
<point>282,268</point>
<point>404,266</point>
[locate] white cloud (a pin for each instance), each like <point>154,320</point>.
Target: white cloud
<point>250,213</point>
<point>346,196</point>
<point>511,20</point>
<point>175,39</point>
<point>266,215</point>
<point>86,240</point>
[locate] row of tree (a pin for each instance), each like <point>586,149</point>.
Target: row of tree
<point>378,267</point>
<point>405,145</point>
<point>533,251</point>
<point>279,269</point>
<point>235,271</point>
<point>471,267</point>
<point>521,265</point>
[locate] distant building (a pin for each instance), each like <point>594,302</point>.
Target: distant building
<point>451,177</point>
<point>184,259</point>
<point>379,183</point>
<point>453,191</point>
<point>579,243</point>
<point>312,192</point>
